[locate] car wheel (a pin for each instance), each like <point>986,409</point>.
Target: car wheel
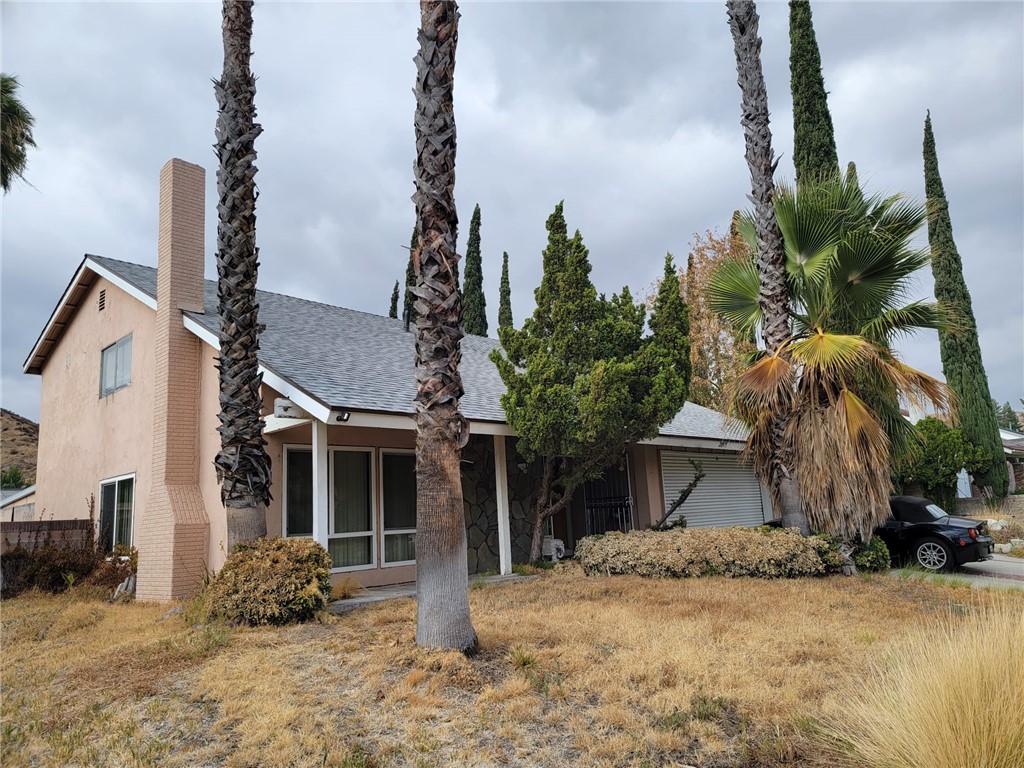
<point>933,555</point>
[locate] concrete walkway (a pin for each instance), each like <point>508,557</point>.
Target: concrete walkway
<point>1001,572</point>
<point>370,595</point>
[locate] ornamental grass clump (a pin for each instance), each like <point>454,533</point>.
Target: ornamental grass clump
<point>272,581</point>
<point>949,697</point>
<point>759,552</point>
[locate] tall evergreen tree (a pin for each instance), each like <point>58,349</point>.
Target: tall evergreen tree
<point>409,306</point>
<point>504,296</point>
<point>1006,416</point>
<point>582,380</point>
<point>814,143</point>
<point>243,466</point>
<point>393,312</point>
<point>851,174</point>
<point>474,303</point>
<point>961,352</point>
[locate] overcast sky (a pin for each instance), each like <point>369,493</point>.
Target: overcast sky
<point>627,111</point>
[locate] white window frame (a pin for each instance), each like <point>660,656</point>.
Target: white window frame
<point>284,497</point>
<point>384,531</point>
<point>114,481</point>
<point>107,391</point>
<point>374,506</point>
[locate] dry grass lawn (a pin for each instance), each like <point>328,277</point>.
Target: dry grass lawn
<point>594,671</point>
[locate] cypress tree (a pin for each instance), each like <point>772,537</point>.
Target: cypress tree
<point>814,143</point>
<point>393,312</point>
<point>961,352</point>
<point>505,296</point>
<point>474,303</point>
<point>851,174</point>
<point>409,311</point>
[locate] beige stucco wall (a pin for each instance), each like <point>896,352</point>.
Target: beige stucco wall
<point>645,462</point>
<point>209,445</point>
<point>84,438</point>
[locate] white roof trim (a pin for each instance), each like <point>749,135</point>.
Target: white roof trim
<point>18,496</point>
<point>121,283</point>
<point>286,388</point>
<point>696,442</point>
<point>78,282</point>
<point>273,424</point>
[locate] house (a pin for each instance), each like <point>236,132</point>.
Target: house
<point>129,419</point>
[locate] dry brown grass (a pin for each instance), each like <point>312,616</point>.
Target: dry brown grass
<point>573,670</point>
<point>980,723</point>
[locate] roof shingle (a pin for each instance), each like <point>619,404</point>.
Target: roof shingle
<point>363,362</point>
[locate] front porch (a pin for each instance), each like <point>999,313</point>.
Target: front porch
<point>349,482</point>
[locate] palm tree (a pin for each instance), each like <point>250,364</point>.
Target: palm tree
<point>849,265</point>
<point>15,131</point>
<point>442,583</point>
<point>773,295</point>
<point>243,466</point>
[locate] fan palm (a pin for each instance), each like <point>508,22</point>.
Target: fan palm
<point>849,267</point>
<point>442,585</point>
<point>243,466</point>
<point>773,298</point>
<point>16,132</point>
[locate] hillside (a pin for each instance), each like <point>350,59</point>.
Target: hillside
<point>19,443</point>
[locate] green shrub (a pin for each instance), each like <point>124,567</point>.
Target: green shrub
<point>764,553</point>
<point>272,581</point>
<point>828,551</point>
<point>873,556</point>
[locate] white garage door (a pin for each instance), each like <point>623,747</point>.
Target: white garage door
<point>729,494</point>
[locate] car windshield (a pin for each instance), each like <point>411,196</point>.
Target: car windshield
<point>937,512</point>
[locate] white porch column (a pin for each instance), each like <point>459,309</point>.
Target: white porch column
<point>501,486</point>
<point>320,482</point>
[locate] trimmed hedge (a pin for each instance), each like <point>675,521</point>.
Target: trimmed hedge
<point>769,553</point>
<point>272,581</point>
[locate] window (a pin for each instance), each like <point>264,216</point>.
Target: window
<point>116,366</point>
<point>350,533</point>
<point>117,501</point>
<point>398,487</point>
<point>298,501</point>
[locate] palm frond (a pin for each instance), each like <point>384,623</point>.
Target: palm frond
<point>883,328</point>
<point>734,293</point>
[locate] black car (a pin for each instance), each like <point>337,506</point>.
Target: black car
<point>921,531</point>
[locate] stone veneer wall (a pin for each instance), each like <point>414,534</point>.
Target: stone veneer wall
<point>523,479</point>
<point>480,504</point>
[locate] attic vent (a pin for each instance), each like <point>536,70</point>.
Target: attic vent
<point>103,299</point>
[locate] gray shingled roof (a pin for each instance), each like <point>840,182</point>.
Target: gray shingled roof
<point>358,361</point>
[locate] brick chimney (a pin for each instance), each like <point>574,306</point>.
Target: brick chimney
<point>174,526</point>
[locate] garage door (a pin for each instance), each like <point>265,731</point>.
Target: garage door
<point>729,494</point>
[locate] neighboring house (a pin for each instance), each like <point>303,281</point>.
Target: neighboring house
<point>1013,447</point>
<point>129,418</point>
<point>17,504</point>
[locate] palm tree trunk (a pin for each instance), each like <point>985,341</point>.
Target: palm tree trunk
<point>243,466</point>
<point>442,581</point>
<point>771,257</point>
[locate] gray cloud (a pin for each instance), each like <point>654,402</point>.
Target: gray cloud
<point>628,111</point>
